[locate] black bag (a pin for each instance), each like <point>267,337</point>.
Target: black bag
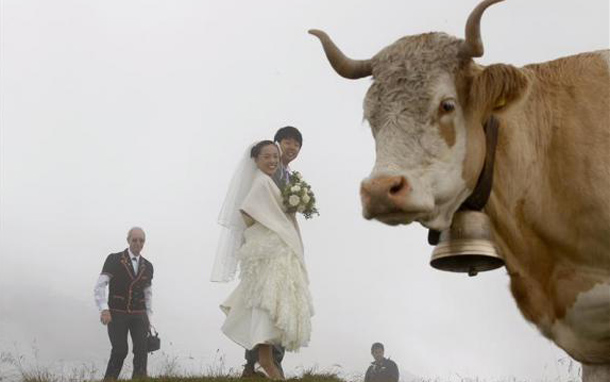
<point>153,342</point>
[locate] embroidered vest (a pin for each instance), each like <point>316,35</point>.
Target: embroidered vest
<point>126,287</point>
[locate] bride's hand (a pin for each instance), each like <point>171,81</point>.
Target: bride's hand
<point>247,219</point>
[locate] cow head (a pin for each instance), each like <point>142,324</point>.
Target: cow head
<point>426,108</point>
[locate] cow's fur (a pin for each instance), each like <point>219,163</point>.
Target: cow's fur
<point>550,204</point>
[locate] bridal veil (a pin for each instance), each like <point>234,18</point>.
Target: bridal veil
<point>231,221</point>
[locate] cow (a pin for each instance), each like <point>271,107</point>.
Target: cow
<point>550,200</point>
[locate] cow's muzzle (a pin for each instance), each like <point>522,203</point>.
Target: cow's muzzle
<point>390,200</point>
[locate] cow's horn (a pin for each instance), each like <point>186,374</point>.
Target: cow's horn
<point>473,45</point>
<point>344,66</point>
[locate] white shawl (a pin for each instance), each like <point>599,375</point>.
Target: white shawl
<point>264,204</point>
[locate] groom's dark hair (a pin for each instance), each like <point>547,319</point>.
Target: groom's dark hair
<point>288,132</point>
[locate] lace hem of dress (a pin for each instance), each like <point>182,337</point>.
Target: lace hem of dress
<point>275,280</point>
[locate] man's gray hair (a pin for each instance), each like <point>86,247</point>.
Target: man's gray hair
<point>134,229</point>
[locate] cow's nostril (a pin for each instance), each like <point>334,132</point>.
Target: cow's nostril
<point>398,186</point>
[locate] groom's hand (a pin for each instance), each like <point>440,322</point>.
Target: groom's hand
<point>105,317</point>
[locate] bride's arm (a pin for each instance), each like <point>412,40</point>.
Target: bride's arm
<point>247,218</point>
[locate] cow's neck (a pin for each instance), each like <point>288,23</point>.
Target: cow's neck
<point>549,204</point>
<point>480,195</point>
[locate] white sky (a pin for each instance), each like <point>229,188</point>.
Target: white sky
<point>121,113</point>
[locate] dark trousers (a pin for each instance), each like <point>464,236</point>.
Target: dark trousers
<point>278,356</point>
<point>137,326</point>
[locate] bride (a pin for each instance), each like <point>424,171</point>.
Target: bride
<point>271,306</point>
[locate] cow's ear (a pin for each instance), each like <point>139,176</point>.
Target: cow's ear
<point>498,87</point>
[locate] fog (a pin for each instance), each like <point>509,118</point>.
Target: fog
<point>122,113</point>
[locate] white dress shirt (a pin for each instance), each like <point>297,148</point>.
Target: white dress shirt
<point>135,261</point>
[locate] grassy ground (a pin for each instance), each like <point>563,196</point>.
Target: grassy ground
<point>15,367</point>
<point>21,368</point>
<point>45,377</point>
<point>305,378</point>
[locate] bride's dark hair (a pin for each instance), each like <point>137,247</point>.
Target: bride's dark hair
<point>258,147</point>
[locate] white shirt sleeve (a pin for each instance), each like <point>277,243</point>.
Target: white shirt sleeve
<point>148,300</point>
<point>99,292</point>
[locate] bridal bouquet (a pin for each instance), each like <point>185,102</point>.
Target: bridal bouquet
<point>298,196</point>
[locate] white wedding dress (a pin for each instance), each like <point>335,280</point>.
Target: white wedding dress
<point>272,303</point>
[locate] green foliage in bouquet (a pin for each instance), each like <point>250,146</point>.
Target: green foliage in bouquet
<point>298,196</point>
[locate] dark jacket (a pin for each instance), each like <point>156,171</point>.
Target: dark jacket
<point>279,176</point>
<point>384,371</point>
<point>127,288</point>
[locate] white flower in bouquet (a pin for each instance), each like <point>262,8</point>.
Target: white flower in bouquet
<point>294,200</point>
<point>298,196</point>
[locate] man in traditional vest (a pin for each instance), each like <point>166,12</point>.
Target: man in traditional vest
<point>128,305</point>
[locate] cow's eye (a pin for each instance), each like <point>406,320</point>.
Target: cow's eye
<point>447,106</point>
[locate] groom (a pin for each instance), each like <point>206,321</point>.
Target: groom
<point>290,141</point>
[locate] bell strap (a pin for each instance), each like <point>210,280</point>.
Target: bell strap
<point>480,195</point>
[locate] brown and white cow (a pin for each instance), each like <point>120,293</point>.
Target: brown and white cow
<point>550,202</point>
